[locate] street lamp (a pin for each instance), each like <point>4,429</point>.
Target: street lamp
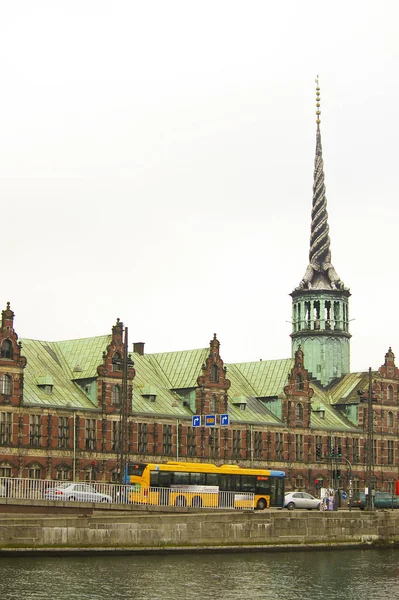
<point>369,478</point>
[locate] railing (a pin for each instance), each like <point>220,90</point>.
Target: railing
<point>44,489</point>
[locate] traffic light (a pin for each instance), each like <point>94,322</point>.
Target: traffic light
<point>339,451</point>
<point>318,452</point>
<point>338,474</point>
<point>332,452</point>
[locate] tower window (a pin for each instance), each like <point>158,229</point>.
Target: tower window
<point>6,385</point>
<point>116,394</point>
<point>299,412</point>
<point>117,362</point>
<point>7,349</point>
<point>299,383</point>
<point>214,374</point>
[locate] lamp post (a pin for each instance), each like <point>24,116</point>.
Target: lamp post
<point>369,475</point>
<point>123,445</point>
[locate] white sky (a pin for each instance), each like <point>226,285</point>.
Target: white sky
<point>156,165</point>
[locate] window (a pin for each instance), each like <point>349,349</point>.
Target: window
<point>299,483</point>
<point>6,385</point>
<point>142,435</point>
<point>34,472</point>
<point>299,383</point>
<point>279,446</point>
<point>34,430</point>
<point>117,362</point>
<point>390,419</point>
<point>355,450</point>
<point>236,453</point>
<point>115,435</point>
<point>212,404</point>
<point>90,434</point>
<point>390,448</point>
<point>213,442</point>
<point>390,393</point>
<point>5,428</point>
<point>7,350</point>
<point>191,441</point>
<point>116,394</point>
<point>63,432</point>
<point>299,413</point>
<point>214,374</point>
<point>5,470</point>
<point>299,446</point>
<point>167,439</point>
<point>258,444</point>
<point>63,472</point>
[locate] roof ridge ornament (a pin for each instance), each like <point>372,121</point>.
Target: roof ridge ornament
<point>320,273</point>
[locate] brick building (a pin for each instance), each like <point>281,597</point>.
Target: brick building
<point>82,408</point>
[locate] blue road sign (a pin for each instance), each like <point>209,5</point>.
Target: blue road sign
<point>196,421</point>
<point>210,420</point>
<point>224,420</point>
<point>343,495</point>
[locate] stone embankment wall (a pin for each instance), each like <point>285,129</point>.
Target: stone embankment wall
<point>140,531</point>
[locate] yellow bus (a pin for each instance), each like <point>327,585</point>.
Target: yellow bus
<point>202,484</point>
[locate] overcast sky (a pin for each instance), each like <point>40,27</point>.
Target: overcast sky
<point>156,165</point>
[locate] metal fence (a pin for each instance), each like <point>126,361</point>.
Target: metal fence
<point>80,491</point>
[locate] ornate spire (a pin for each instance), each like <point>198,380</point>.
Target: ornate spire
<point>320,273</point>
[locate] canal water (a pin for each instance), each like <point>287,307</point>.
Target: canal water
<point>311,575</point>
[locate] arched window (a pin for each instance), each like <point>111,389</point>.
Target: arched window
<point>390,393</point>
<point>116,394</point>
<point>212,404</point>
<point>299,382</point>
<point>299,412</point>
<point>7,349</point>
<point>6,385</point>
<point>390,419</point>
<point>117,362</point>
<point>34,471</point>
<point>214,374</point>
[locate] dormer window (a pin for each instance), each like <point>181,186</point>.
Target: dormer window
<point>7,350</point>
<point>214,374</point>
<point>6,385</point>
<point>117,362</point>
<point>299,412</point>
<point>299,383</point>
<point>116,394</point>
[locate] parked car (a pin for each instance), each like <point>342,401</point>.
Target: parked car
<point>300,500</point>
<point>381,500</point>
<point>81,492</point>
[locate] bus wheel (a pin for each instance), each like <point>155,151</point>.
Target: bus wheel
<point>196,501</point>
<point>180,501</point>
<point>261,504</point>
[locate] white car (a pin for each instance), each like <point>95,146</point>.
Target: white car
<point>300,500</point>
<point>80,492</point>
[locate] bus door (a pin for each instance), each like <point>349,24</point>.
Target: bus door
<point>164,485</point>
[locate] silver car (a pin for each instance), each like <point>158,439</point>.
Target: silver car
<point>80,492</point>
<point>300,500</point>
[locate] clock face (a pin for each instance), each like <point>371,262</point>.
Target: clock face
<point>390,371</point>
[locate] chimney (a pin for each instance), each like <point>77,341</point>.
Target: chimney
<point>139,348</point>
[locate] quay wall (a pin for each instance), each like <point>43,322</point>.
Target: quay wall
<point>143,531</point>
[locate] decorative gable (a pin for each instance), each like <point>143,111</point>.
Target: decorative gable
<point>296,405</point>
<point>213,384</point>
<point>11,361</point>
<point>116,362</point>
<point>388,369</point>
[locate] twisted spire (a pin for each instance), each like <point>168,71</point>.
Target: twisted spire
<point>320,272</point>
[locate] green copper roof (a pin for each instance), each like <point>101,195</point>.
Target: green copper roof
<point>179,370</point>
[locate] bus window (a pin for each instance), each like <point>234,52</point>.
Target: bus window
<point>248,483</point>
<point>164,479</point>
<point>212,479</point>
<point>180,478</point>
<point>135,469</point>
<point>262,485</point>
<point>197,478</point>
<point>154,479</point>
